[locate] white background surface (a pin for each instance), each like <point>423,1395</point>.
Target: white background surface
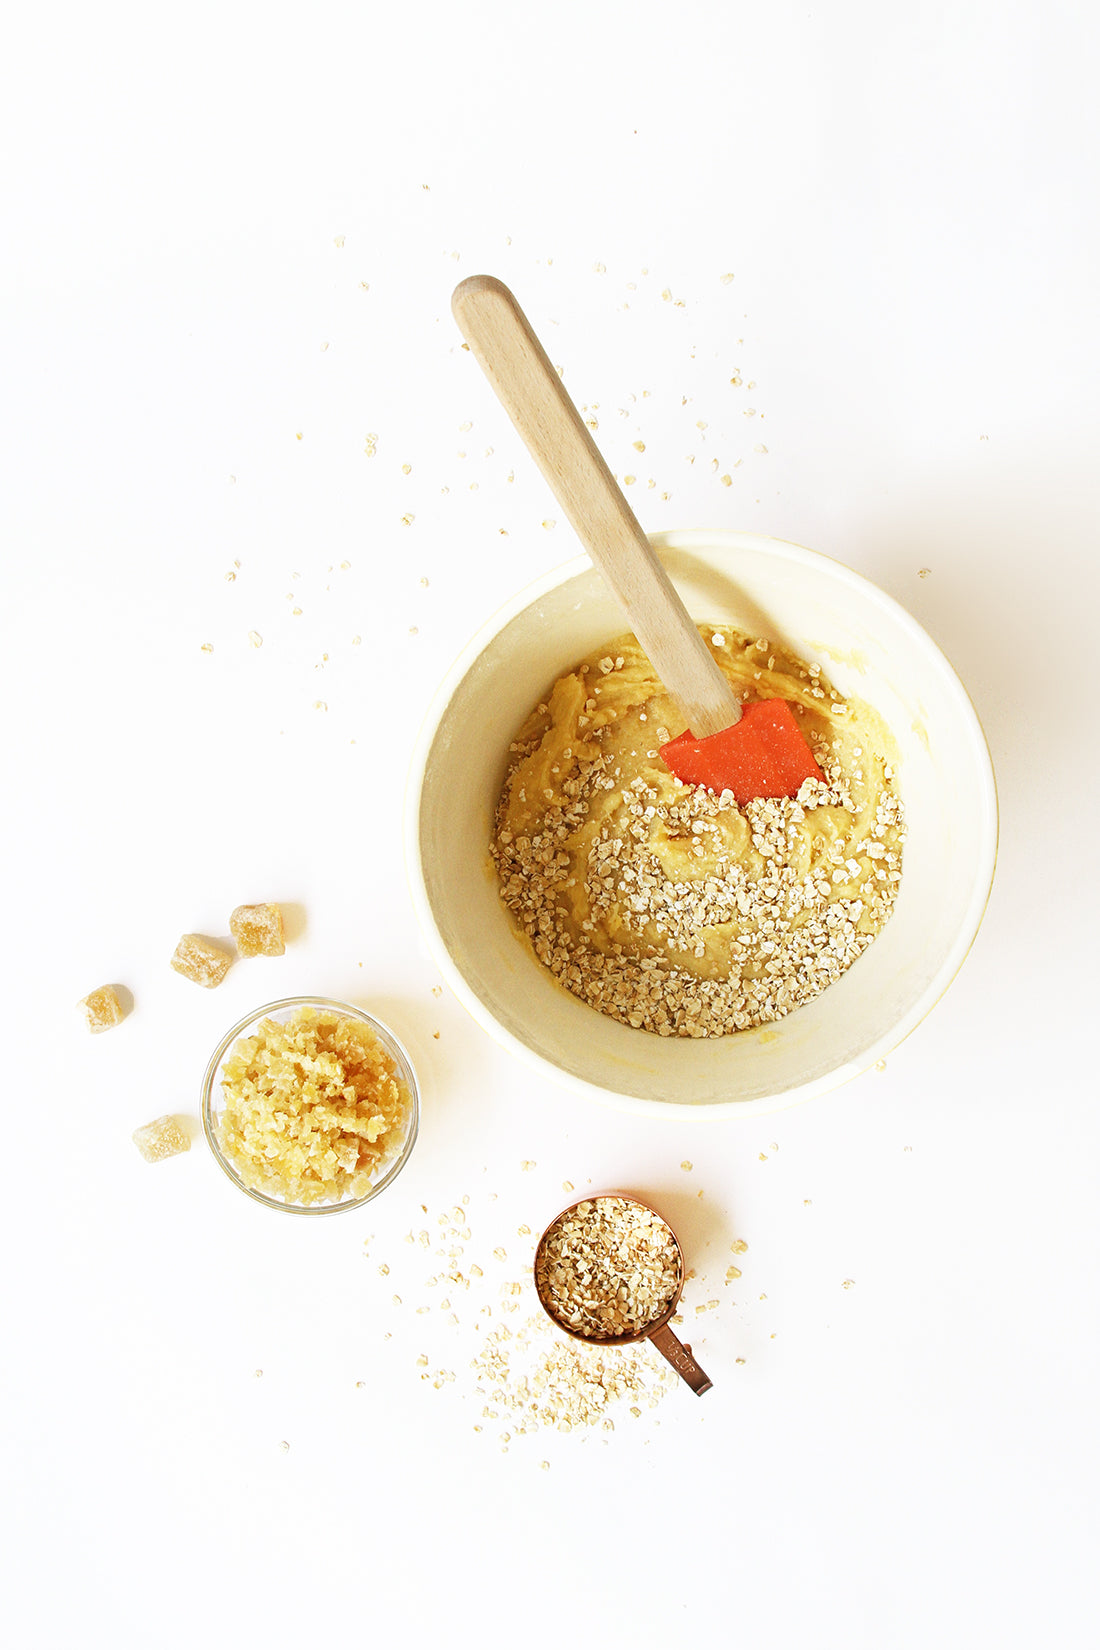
<point>231,235</point>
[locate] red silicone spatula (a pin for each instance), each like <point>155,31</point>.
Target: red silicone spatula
<point>751,750</point>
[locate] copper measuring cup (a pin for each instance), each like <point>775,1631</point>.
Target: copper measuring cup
<point>659,1332</point>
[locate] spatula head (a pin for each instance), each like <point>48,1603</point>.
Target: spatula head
<point>764,754</point>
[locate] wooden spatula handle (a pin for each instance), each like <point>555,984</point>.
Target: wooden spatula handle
<point>532,394</point>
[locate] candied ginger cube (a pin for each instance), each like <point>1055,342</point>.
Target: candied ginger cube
<point>258,930</point>
<point>102,1008</point>
<point>162,1138</point>
<point>199,959</point>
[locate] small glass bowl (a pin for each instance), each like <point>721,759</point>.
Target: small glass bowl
<point>281,1011</point>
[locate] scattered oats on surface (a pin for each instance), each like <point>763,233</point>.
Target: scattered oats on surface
<point>524,1373</point>
<point>545,1382</point>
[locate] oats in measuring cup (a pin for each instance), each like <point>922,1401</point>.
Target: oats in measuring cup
<point>608,1268</point>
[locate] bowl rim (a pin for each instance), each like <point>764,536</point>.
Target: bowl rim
<point>386,1035</point>
<point>675,539</point>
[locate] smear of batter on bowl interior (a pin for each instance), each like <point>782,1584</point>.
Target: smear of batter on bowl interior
<point>672,909</point>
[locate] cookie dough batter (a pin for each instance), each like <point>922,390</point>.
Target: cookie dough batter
<point>672,909</point>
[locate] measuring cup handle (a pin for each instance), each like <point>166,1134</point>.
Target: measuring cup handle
<point>679,1356</point>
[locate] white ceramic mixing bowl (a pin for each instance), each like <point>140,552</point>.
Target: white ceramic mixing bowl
<point>871,650</point>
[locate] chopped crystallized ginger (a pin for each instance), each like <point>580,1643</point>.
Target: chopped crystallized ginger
<point>102,1009</point>
<point>258,930</point>
<point>201,960</point>
<point>313,1109</point>
<point>161,1138</point>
